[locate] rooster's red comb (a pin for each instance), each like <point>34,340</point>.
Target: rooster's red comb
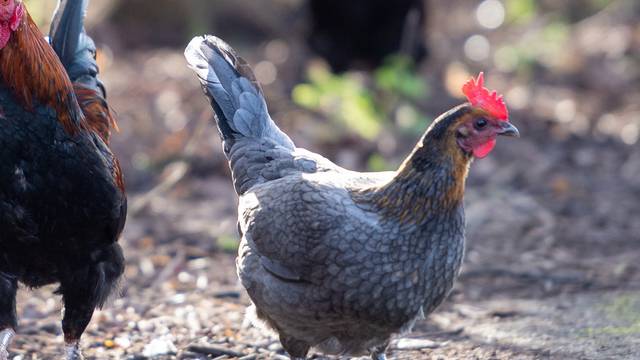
<point>480,96</point>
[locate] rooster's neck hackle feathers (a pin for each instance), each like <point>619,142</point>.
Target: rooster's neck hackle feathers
<point>98,114</point>
<point>33,73</point>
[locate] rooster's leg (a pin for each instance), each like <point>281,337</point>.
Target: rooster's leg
<point>73,352</point>
<point>8,318</point>
<point>79,304</point>
<point>85,289</point>
<point>78,310</point>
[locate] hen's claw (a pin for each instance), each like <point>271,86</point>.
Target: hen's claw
<point>6,336</point>
<point>73,351</point>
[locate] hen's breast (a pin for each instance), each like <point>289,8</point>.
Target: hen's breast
<point>391,273</point>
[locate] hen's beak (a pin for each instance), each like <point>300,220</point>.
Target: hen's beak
<point>507,129</point>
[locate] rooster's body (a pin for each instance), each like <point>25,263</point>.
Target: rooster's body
<point>62,201</point>
<point>332,258</point>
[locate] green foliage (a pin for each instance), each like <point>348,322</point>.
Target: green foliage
<point>600,4</point>
<point>625,311</point>
<point>625,308</point>
<point>410,120</point>
<point>514,58</point>
<point>521,11</point>
<point>227,243</point>
<point>544,46</point>
<point>555,33</point>
<point>378,163</point>
<point>343,98</point>
<point>366,107</point>
<point>398,76</point>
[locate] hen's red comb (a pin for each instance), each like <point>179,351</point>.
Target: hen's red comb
<point>480,96</point>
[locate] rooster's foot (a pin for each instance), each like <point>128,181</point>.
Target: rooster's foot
<point>6,336</point>
<point>73,351</point>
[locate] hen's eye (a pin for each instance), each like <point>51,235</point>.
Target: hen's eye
<point>481,123</point>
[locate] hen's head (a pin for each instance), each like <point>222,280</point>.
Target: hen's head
<point>478,123</point>
<point>11,14</point>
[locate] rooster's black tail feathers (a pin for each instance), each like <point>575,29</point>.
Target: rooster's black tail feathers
<point>74,47</point>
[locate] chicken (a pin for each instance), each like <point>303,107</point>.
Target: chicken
<point>366,31</point>
<point>62,198</point>
<point>336,259</point>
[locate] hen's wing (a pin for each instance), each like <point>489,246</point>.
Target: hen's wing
<point>301,226</point>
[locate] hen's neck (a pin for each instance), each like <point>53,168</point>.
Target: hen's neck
<point>33,73</point>
<point>430,181</point>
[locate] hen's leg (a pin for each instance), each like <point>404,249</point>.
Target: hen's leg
<point>297,349</point>
<point>8,318</point>
<point>83,291</point>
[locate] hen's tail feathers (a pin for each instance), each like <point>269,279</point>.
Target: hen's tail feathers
<point>236,96</point>
<point>74,47</point>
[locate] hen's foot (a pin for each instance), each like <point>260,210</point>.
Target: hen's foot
<point>6,336</point>
<point>73,351</point>
<point>297,349</point>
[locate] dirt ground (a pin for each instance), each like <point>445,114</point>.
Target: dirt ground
<point>181,299</point>
<point>553,237</point>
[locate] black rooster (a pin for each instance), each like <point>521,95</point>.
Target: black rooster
<point>62,198</point>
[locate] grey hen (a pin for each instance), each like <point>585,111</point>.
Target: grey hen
<point>336,259</point>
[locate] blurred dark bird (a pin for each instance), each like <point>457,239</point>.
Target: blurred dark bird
<point>362,33</point>
<point>62,198</point>
<point>337,259</point>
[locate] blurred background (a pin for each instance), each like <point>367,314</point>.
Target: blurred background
<point>553,229</point>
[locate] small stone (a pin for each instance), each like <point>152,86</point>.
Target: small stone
<point>146,326</point>
<point>415,344</point>
<point>123,341</point>
<point>162,346</point>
